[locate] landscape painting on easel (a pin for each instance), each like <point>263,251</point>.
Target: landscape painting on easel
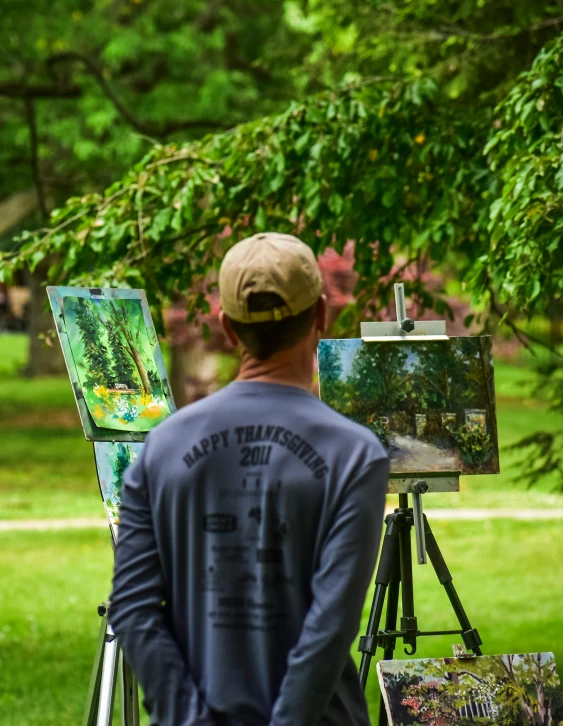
<point>112,459</point>
<point>115,363</point>
<point>432,404</point>
<point>498,690</point>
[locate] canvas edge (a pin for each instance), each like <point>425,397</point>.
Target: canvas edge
<point>471,658</point>
<point>53,293</point>
<point>95,451</point>
<point>157,351</point>
<point>384,694</point>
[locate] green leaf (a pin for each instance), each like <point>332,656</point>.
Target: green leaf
<point>336,203</point>
<point>260,219</point>
<point>302,142</point>
<point>161,221</point>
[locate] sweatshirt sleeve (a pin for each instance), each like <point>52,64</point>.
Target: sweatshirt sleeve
<point>137,613</point>
<point>339,589</point>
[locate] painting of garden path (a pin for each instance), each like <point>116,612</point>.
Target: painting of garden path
<point>499,690</point>
<point>115,363</point>
<point>432,404</point>
<point>112,459</point>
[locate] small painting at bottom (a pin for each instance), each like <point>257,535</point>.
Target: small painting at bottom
<point>112,459</point>
<point>499,690</point>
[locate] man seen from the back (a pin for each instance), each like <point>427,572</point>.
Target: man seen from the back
<point>250,524</point>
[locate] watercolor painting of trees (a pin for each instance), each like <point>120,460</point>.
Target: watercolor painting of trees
<point>499,690</point>
<point>114,358</point>
<point>432,404</point>
<point>112,459</point>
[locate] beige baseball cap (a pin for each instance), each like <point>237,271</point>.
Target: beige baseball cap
<point>269,262</point>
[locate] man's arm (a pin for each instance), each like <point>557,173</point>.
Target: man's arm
<point>339,588</point>
<point>137,614</point>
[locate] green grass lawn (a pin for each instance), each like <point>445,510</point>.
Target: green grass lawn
<point>505,574</point>
<point>52,585</point>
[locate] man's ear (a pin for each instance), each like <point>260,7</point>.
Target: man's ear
<point>322,314</point>
<point>230,334</point>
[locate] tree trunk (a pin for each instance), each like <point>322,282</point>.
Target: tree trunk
<point>193,372</point>
<point>178,375</point>
<point>142,370</point>
<point>15,208</point>
<point>43,359</point>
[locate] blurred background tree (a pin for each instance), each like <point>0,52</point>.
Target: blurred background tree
<point>85,82</point>
<point>82,83</point>
<point>410,131</point>
<point>86,87</point>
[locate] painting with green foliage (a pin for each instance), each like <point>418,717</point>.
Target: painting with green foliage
<point>114,362</point>
<point>112,459</point>
<point>432,404</point>
<point>496,690</point>
<point>114,358</point>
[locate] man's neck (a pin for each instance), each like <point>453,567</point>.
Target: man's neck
<point>293,367</point>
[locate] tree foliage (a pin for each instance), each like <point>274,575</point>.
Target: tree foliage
<point>411,133</point>
<point>95,351</point>
<point>393,165</point>
<point>123,459</point>
<point>85,86</point>
<point>327,169</point>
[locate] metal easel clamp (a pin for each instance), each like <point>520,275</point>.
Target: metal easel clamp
<point>405,323</point>
<point>459,651</point>
<point>418,516</point>
<point>403,329</point>
<point>368,644</point>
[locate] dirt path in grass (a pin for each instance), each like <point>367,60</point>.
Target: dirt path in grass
<point>476,515</point>
<point>43,525</point>
<point>48,419</point>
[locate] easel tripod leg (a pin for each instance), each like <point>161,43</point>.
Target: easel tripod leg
<point>129,694</point>
<point>91,710</point>
<point>390,624</point>
<point>408,619</point>
<point>389,553</point>
<point>470,635</point>
<point>108,680</point>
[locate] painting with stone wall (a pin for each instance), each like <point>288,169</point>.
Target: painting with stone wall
<point>432,404</point>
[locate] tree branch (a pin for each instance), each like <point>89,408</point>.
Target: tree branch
<point>182,157</point>
<point>143,127</point>
<point>472,675</point>
<point>34,150</point>
<point>445,32</point>
<point>523,337</point>
<point>16,90</point>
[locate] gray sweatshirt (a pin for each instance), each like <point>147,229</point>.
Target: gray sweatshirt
<point>248,534</point>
